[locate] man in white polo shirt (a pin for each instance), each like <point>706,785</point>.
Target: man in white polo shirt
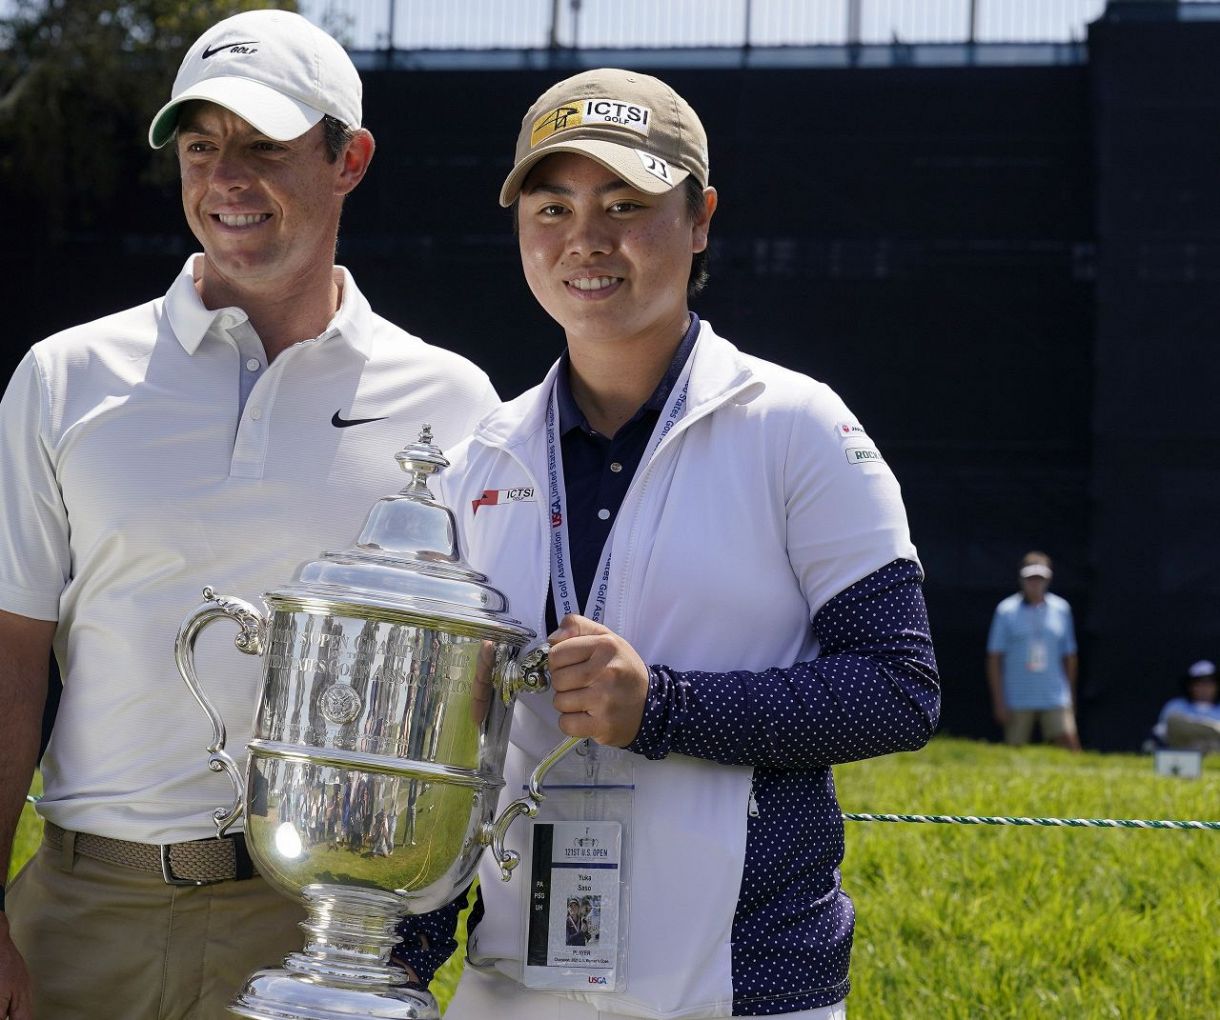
<point>219,435</point>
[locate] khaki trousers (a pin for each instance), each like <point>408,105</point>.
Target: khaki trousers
<point>1054,723</point>
<point>104,942</point>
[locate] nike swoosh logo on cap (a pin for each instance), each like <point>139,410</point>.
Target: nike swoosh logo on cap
<point>226,46</point>
<point>342,423</point>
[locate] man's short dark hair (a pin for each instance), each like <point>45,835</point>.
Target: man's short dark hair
<point>337,135</point>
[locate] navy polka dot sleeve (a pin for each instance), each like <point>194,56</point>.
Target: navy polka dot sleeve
<point>873,689</point>
<point>428,939</point>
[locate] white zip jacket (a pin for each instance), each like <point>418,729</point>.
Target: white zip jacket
<point>762,503</point>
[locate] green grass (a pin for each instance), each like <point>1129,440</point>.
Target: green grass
<point>958,921</point>
<point>973,921</point>
<point>29,833</point>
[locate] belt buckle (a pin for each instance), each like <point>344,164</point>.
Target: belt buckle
<point>167,871</point>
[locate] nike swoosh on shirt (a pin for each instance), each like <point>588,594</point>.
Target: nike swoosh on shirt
<point>226,46</point>
<point>342,423</point>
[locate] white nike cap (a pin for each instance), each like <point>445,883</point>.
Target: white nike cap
<point>274,69</point>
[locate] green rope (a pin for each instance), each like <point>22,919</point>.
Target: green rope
<point>1069,823</point>
<point>1065,823</point>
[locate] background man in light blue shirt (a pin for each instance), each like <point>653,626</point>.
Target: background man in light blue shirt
<point>1031,660</point>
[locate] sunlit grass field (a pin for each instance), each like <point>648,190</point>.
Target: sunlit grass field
<point>959,921</point>
<point>972,921</point>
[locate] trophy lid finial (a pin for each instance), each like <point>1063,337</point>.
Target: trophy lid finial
<point>406,558</point>
<point>421,460</point>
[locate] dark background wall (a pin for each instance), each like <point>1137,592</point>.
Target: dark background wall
<point>1155,523</point>
<point>974,257</point>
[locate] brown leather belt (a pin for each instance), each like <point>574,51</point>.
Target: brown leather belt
<point>199,862</point>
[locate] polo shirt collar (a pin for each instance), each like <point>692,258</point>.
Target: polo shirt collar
<point>187,316</point>
<point>354,319</point>
<point>570,414</point>
<point>191,321</point>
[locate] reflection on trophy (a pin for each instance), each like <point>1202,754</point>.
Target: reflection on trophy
<point>390,672</point>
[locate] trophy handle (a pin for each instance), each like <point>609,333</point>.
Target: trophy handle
<point>495,833</point>
<point>531,673</point>
<point>250,640</point>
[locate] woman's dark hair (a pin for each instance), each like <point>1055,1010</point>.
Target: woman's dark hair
<point>695,204</point>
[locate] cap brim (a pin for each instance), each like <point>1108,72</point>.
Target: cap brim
<point>1036,572</point>
<point>272,113</point>
<point>626,162</point>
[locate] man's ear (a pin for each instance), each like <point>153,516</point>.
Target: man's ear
<point>355,160</point>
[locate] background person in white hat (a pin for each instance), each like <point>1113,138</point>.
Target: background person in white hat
<point>1031,660</point>
<point>221,434</point>
<point>721,556</point>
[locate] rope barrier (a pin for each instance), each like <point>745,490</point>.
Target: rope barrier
<point>1065,823</point>
<point>1069,823</point>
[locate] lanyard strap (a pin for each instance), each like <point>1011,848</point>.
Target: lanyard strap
<point>562,581</point>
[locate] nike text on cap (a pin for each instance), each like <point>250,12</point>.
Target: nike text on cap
<point>273,69</point>
<point>636,126</point>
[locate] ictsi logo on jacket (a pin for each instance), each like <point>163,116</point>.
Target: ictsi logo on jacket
<point>500,497</point>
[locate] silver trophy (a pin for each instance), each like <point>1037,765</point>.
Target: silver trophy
<point>390,672</point>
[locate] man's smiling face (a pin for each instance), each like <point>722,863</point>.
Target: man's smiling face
<point>265,211</point>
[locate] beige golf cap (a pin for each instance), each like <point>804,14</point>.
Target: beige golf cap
<point>274,69</point>
<point>634,125</point>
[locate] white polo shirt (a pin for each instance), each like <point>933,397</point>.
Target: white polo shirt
<point>152,452</point>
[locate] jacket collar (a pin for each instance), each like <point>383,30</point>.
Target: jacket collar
<point>718,372</point>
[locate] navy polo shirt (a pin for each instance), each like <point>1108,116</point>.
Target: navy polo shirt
<point>597,469</point>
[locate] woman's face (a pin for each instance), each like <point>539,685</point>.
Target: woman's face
<point>606,261</point>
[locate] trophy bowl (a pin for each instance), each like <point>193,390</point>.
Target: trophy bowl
<point>390,671</point>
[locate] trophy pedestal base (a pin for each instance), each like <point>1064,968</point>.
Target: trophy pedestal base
<point>280,995</point>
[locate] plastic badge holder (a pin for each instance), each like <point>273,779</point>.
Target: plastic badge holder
<point>576,910</point>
